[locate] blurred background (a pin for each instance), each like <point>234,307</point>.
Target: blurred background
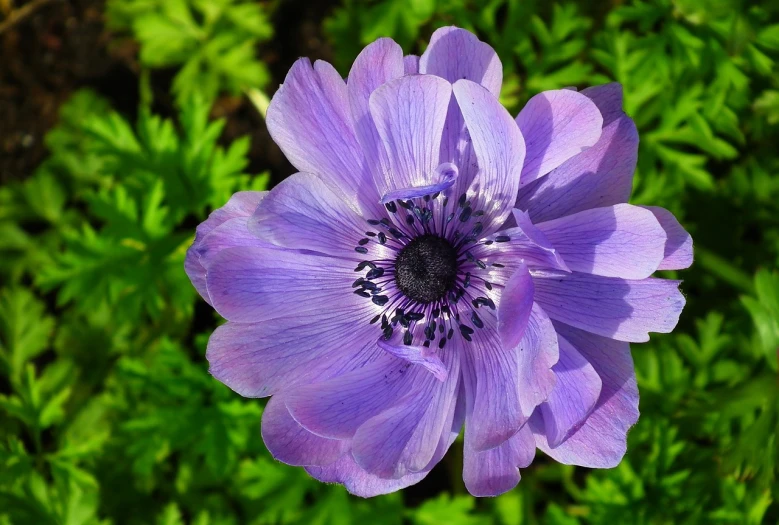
<point>124,122</point>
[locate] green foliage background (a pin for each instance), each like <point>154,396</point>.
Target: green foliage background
<point>107,413</point>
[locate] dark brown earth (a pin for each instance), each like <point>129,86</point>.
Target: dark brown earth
<point>59,46</point>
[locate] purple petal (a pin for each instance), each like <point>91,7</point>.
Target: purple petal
<point>574,396</point>
<point>678,248</point>
<point>230,234</point>
<point>499,148</point>
<point>241,204</point>
<point>259,283</point>
<point>411,65</point>
<point>599,176</point>
<point>418,355</point>
<point>557,125</point>
<point>616,241</point>
<point>409,113</point>
<point>525,245</point>
<point>310,120</point>
<point>376,65</point>
<point>538,353</point>
<point>620,309</point>
<point>404,438</point>
<point>358,482</point>
<point>290,443</point>
<point>495,471</point>
<point>601,441</point>
<point>456,54</point>
<point>261,359</point>
<point>443,178</point>
<point>336,408</point>
<point>516,302</point>
<point>608,98</point>
<point>303,212</point>
<point>491,387</point>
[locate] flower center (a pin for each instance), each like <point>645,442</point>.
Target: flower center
<point>426,268</point>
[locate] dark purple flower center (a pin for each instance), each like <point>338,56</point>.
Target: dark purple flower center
<point>426,269</point>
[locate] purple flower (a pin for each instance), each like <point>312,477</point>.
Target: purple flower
<point>437,264</point>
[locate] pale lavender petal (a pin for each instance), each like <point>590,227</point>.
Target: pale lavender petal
<point>512,247</point>
<point>608,98</point>
<point>621,309</point>
<point>678,248</point>
<point>303,212</point>
<point>376,65</point>
<point>258,283</point>
<point>599,176</point>
<point>241,204</point>
<point>499,148</point>
<point>576,391</point>
<point>418,355</point>
<point>230,234</point>
<point>557,125</point>
<point>411,64</point>
<point>443,178</point>
<point>456,54</point>
<point>601,441</point>
<point>404,438</point>
<point>261,359</point>
<point>360,483</point>
<point>516,302</point>
<point>616,241</point>
<point>538,353</point>
<point>336,408</point>
<point>492,472</point>
<point>310,120</point>
<point>292,444</point>
<point>491,379</point>
<point>409,114</point>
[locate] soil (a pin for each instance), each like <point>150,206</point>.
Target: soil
<point>63,45</point>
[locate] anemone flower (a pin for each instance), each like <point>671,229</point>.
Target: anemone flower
<point>437,264</point>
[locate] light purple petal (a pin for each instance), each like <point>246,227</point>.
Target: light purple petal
<point>411,64</point>
<point>358,482</point>
<point>409,114</point>
<point>621,309</point>
<point>290,443</point>
<point>310,120</point>
<point>499,148</point>
<point>230,234</point>
<point>599,176</point>
<point>241,204</point>
<point>608,98</point>
<point>302,212</point>
<point>616,241</point>
<point>495,471</point>
<point>538,353</point>
<point>491,379</point>
<point>678,248</point>
<point>259,283</point>
<point>516,302</point>
<point>557,125</point>
<point>336,408</point>
<point>456,54</point>
<point>526,245</point>
<point>418,355</point>
<point>377,64</point>
<point>261,359</point>
<point>576,391</point>
<point>601,440</point>
<point>404,438</point>
<point>443,178</point>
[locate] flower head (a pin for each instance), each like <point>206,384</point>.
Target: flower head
<point>438,264</point>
